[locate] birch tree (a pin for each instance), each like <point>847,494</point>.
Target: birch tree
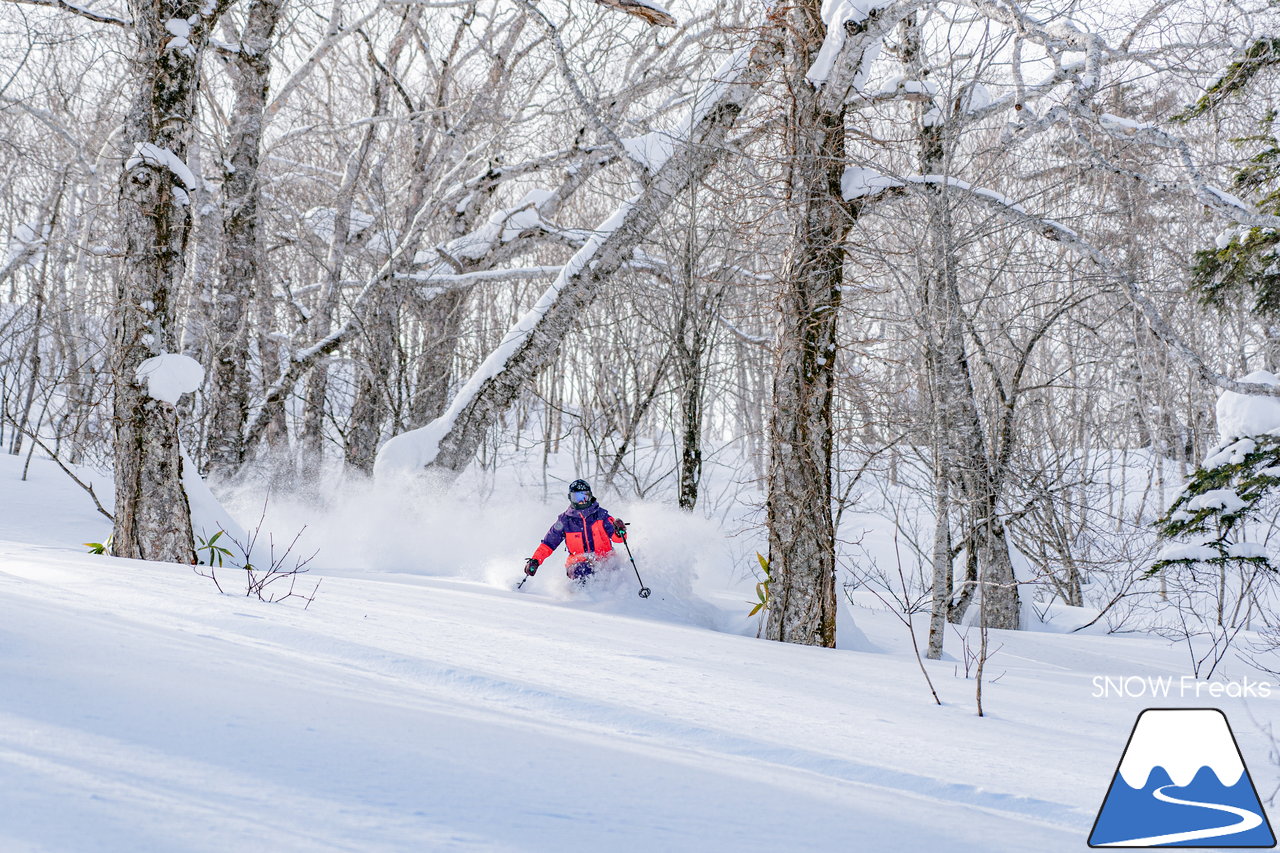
<point>241,279</point>
<point>450,442</point>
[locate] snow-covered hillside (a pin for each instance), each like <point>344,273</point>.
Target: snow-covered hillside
<point>142,711</point>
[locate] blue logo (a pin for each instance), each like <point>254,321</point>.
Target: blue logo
<point>1182,782</point>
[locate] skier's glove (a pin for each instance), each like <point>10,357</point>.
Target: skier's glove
<point>620,528</point>
<point>531,566</point>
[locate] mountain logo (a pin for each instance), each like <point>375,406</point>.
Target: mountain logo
<point>1182,782</point>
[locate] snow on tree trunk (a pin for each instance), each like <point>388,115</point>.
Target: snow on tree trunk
<point>152,516</point>
<point>827,62</point>
<point>448,444</point>
<point>250,70</point>
<point>801,529</point>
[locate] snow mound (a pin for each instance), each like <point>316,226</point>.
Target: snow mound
<point>208,517</point>
<point>169,376</point>
<point>1248,414</point>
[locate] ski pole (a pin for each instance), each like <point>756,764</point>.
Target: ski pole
<point>527,574</point>
<point>644,590</point>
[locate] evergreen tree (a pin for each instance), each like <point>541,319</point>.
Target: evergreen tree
<point>1244,262</point>
<point>1214,510</point>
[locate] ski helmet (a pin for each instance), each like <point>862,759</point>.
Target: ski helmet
<point>580,494</point>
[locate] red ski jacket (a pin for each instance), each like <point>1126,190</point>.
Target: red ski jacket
<point>588,534</point>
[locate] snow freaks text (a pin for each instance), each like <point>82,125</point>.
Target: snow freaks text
<point>1185,687</point>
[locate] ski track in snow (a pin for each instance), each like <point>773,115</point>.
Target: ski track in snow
<point>215,740</point>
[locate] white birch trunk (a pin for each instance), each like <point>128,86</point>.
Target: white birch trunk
<point>242,260</point>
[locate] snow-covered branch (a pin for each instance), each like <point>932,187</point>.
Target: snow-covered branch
<point>855,33</point>
<point>454,281</point>
<point>82,11</point>
<point>1219,201</point>
<point>762,341</point>
<point>449,442</point>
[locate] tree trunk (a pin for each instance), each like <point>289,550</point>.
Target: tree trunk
<point>959,441</point>
<point>803,604</point>
<point>374,370</point>
<point>381,324</point>
<point>242,261</point>
<point>692,342</point>
<point>943,344</point>
<point>691,430</point>
<point>152,517</point>
<point>940,559</point>
<point>316,394</point>
<point>441,324</point>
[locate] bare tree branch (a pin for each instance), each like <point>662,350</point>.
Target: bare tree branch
<point>65,6</point>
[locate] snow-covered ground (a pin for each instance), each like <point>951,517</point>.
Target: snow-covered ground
<point>412,710</point>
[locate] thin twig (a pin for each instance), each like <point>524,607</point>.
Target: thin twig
<point>81,483</point>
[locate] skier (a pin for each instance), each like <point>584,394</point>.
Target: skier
<point>588,532</point>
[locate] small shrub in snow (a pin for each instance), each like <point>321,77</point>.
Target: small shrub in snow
<point>277,581</point>
<point>762,587</point>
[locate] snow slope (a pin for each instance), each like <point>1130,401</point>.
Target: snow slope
<point>140,710</point>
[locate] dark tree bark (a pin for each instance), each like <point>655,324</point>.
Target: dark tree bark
<point>152,517</point>
<point>803,603</point>
<point>692,339</point>
<point>691,397</point>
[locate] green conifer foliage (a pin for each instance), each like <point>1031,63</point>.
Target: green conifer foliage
<point>1245,263</point>
<point>1212,514</point>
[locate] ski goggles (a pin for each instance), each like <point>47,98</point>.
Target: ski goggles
<point>579,497</point>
